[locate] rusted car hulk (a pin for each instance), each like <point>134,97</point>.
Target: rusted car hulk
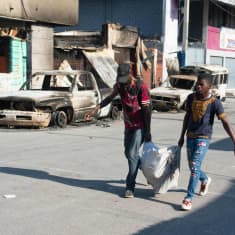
<point>54,98</point>
<point>173,96</point>
<point>179,86</point>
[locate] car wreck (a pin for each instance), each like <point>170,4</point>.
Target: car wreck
<point>173,96</point>
<point>217,73</point>
<point>54,98</point>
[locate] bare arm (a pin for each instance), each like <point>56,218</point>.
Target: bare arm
<point>184,129</point>
<point>228,128</point>
<point>105,102</point>
<point>147,122</point>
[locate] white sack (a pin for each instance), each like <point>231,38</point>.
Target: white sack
<point>161,166</point>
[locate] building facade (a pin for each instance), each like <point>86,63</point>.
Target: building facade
<point>26,36</point>
<point>211,34</point>
<point>211,23</point>
<point>148,17</point>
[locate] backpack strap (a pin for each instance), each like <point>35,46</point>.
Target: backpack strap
<point>139,83</point>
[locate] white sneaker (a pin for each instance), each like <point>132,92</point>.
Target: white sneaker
<point>204,187</point>
<point>186,205</point>
<point>129,194</point>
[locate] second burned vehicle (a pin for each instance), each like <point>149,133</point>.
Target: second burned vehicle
<point>54,98</point>
<point>174,95</point>
<point>179,86</point>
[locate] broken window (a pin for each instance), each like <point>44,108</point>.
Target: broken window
<point>182,83</point>
<point>86,81</point>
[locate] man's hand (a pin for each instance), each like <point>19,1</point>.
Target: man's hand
<point>147,137</point>
<point>181,142</point>
<point>91,113</point>
<point>88,116</point>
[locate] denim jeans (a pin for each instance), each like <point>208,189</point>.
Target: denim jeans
<point>132,142</point>
<point>196,151</point>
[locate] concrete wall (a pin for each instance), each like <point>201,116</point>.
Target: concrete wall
<point>226,59</point>
<point>195,56</point>
<point>42,48</point>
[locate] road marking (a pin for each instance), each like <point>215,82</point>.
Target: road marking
<point>9,196</point>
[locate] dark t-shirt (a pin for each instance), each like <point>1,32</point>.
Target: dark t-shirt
<point>201,115</point>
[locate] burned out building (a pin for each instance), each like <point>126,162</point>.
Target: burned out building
<point>101,51</point>
<point>210,28</point>
<point>156,21</point>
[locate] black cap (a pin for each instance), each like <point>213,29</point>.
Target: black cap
<point>123,72</point>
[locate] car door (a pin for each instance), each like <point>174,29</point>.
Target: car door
<point>86,95</point>
<point>219,85</point>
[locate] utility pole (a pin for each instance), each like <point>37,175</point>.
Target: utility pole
<point>186,23</point>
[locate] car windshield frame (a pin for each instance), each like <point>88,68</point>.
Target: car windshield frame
<point>50,82</point>
<point>182,82</point>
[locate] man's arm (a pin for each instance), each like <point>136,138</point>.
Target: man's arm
<point>103,103</point>
<point>145,103</point>
<point>228,128</point>
<point>147,122</point>
<point>184,129</point>
<point>219,110</point>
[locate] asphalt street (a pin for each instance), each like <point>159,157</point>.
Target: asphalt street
<point>71,182</point>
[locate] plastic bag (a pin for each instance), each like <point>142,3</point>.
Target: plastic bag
<point>161,166</point>
<point>152,161</point>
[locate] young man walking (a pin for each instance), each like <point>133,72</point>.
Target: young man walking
<point>201,107</point>
<point>137,116</point>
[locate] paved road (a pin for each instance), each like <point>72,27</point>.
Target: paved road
<point>71,182</point>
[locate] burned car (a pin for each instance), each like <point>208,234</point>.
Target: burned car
<point>181,85</point>
<point>53,98</point>
<point>217,73</point>
<point>173,96</point>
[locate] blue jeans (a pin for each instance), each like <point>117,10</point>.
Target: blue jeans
<point>196,151</point>
<point>132,142</point>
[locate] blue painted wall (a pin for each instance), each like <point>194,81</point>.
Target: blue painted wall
<point>17,62</point>
<point>146,15</point>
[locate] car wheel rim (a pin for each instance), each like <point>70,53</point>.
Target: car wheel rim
<point>61,119</point>
<point>115,113</point>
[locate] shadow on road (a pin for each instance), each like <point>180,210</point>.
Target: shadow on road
<point>116,187</point>
<point>217,218</point>
<point>222,145</point>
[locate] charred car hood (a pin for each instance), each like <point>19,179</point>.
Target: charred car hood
<point>170,91</point>
<point>33,95</point>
